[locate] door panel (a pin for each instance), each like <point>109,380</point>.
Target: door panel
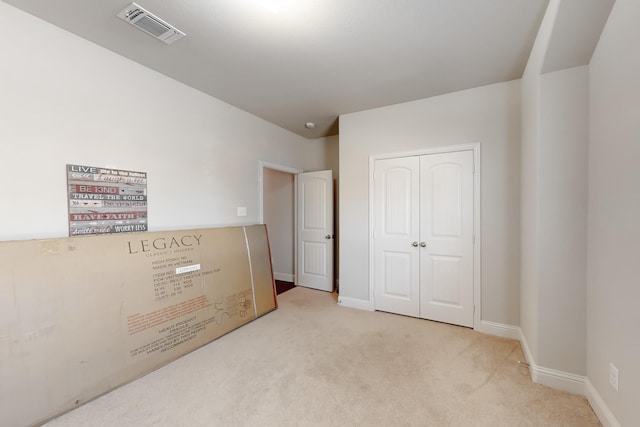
<point>445,278</point>
<point>396,269</point>
<point>315,230</point>
<point>315,258</point>
<point>446,219</point>
<point>446,203</point>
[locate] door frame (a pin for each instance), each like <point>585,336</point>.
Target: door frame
<point>262,165</point>
<point>477,243</point>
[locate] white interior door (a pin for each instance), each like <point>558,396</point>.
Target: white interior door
<point>396,233</point>
<point>315,230</point>
<point>446,230</point>
<point>423,236</point>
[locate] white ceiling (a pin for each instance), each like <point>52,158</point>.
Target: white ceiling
<point>316,59</point>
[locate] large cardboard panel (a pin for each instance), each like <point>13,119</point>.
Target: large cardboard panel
<point>264,286</point>
<point>81,316</point>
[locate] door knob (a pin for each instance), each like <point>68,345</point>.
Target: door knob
<point>328,237</point>
<point>423,245</point>
<point>414,244</point>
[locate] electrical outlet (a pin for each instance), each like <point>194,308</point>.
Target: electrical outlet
<point>242,211</point>
<point>614,376</point>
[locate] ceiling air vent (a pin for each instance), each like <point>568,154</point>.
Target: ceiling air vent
<point>150,24</point>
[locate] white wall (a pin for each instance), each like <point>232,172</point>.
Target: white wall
<point>65,100</point>
<point>530,118</point>
<point>614,213</point>
<point>489,115</point>
<point>562,226</point>
<point>529,213</point>
<point>332,154</point>
<point>554,206</point>
<point>279,217</point>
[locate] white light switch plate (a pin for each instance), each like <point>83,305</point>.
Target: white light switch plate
<point>614,375</point>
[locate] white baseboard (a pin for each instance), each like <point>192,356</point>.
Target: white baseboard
<point>285,277</point>
<point>527,352</point>
<point>560,380</point>
<point>499,329</point>
<point>360,304</point>
<point>599,407</point>
<point>550,377</point>
<point>572,383</point>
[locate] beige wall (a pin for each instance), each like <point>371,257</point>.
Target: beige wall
<point>66,100</point>
<point>614,213</point>
<point>489,115</point>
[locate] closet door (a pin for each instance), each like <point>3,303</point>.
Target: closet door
<point>446,238</point>
<point>396,233</point>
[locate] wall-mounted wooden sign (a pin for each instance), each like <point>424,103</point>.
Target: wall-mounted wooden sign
<point>106,200</point>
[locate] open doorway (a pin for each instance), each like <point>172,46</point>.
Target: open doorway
<point>302,249</point>
<point>278,193</point>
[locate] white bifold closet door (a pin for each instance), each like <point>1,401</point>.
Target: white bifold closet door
<point>423,236</point>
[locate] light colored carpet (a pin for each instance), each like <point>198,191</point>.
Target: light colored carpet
<point>313,363</point>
